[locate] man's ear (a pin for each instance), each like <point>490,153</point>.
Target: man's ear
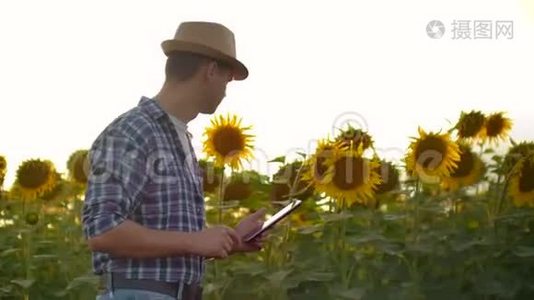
<point>211,70</point>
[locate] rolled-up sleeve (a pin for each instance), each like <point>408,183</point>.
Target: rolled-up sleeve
<point>116,178</point>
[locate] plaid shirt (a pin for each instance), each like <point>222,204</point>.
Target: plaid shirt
<point>138,173</point>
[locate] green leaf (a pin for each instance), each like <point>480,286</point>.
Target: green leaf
<point>420,248</point>
<point>337,216</point>
<point>279,159</point>
<point>463,246</point>
<point>523,251</point>
<point>6,289</point>
<point>311,229</point>
<point>302,154</point>
<point>497,158</point>
<point>44,257</point>
<point>24,283</point>
<point>371,237</point>
<point>211,287</point>
<point>46,243</point>
<point>9,252</point>
<point>248,268</point>
<point>319,276</point>
<point>353,294</point>
<point>276,278</point>
<point>61,294</point>
<point>518,216</point>
<point>395,216</point>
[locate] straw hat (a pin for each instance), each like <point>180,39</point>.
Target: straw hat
<point>210,39</point>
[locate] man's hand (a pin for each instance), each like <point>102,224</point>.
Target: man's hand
<point>214,242</point>
<point>247,226</point>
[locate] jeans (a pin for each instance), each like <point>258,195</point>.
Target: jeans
<point>130,294</point>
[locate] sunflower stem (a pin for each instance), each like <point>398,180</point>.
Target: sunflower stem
<point>416,217</point>
<point>221,197</point>
<point>296,181</point>
<point>503,195</point>
<point>480,153</point>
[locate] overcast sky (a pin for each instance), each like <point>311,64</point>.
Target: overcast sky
<point>68,68</point>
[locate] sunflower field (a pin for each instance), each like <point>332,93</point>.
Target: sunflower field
<point>454,220</point>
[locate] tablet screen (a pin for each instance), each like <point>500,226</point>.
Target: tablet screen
<point>276,217</point>
<point>281,213</point>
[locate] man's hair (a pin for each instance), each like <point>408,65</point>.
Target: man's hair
<point>182,66</point>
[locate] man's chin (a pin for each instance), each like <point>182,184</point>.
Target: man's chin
<point>208,111</point>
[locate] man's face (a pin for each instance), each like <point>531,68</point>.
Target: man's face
<point>217,77</point>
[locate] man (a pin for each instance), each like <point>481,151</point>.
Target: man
<point>143,214</point>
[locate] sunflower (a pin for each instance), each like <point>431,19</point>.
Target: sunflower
<point>35,177</point>
<point>241,186</point>
<point>496,127</point>
<point>316,170</point>
<point>516,153</point>
<point>470,125</point>
<point>469,170</point>
<point>3,164</point>
<point>228,142</point>
<point>389,177</point>
<point>78,165</point>
<point>352,177</point>
<point>431,156</point>
<point>3,167</point>
<point>355,138</point>
<point>57,191</point>
<point>522,183</point>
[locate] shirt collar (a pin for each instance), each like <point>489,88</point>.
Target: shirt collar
<point>151,107</point>
<point>155,111</point>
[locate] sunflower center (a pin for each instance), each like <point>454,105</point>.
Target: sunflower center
<point>389,176</point>
<point>228,141</point>
<point>471,124</point>
<point>349,172</point>
<point>526,180</point>
<point>3,163</point>
<point>34,176</point>
<point>430,152</point>
<point>516,153</point>
<point>494,126</point>
<point>79,170</point>
<point>357,138</point>
<point>465,165</point>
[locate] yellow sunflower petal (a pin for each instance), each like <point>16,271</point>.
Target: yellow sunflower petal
<point>35,177</point>
<point>496,127</point>
<point>431,156</point>
<point>521,187</point>
<point>469,171</point>
<point>316,169</point>
<point>227,141</point>
<point>470,125</point>
<point>353,178</point>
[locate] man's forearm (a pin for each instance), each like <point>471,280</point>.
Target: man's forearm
<point>130,239</point>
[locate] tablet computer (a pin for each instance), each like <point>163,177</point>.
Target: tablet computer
<point>275,218</point>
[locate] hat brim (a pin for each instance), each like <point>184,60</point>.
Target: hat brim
<point>240,72</point>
